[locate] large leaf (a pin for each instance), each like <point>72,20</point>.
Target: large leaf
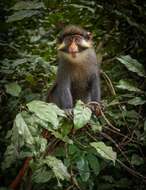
<point>41,175</point>
<point>22,5</point>
<point>46,111</point>
<point>22,129</point>
<point>137,101</point>
<point>93,163</point>
<point>20,136</point>
<point>13,88</point>
<point>132,65</point>
<point>19,15</point>
<point>58,167</point>
<point>105,151</point>
<point>126,85</point>
<point>82,165</point>
<point>82,115</point>
<point>10,156</point>
<point>92,10</point>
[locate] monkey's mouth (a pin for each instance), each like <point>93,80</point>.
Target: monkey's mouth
<point>73,54</point>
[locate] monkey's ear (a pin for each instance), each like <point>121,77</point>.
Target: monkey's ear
<point>90,36</point>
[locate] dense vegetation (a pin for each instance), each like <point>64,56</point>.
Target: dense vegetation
<point>83,152</point>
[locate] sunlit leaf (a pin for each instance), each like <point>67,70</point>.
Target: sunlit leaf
<point>19,15</point>
<point>137,101</point>
<point>46,111</point>
<point>104,151</point>
<point>17,62</point>
<point>22,5</point>
<point>23,129</point>
<point>40,144</point>
<point>41,175</point>
<point>58,167</point>
<point>132,65</point>
<point>20,136</point>
<point>82,115</point>
<point>92,10</point>
<point>126,85</point>
<point>13,88</point>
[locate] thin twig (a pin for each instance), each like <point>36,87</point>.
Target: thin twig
<point>130,170</point>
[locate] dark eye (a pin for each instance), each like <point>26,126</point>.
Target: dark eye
<point>67,39</point>
<point>78,39</point>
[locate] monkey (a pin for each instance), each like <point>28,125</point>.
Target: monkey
<point>78,74</point>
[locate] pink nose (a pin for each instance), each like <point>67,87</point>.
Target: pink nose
<point>73,48</point>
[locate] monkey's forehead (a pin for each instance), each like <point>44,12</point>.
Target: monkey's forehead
<point>73,30</point>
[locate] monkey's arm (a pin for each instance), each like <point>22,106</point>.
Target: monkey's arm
<point>64,92</point>
<point>65,96</point>
<point>95,88</point>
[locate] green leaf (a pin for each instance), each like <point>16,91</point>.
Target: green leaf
<point>10,156</point>
<point>40,144</point>
<point>92,10</point>
<point>20,136</point>
<point>93,163</point>
<point>137,101</point>
<point>58,167</point>
<point>46,111</point>
<point>41,175</point>
<point>105,151</point>
<point>23,129</point>
<point>82,165</point>
<point>108,178</point>
<point>66,127</point>
<point>145,125</point>
<point>22,5</point>
<point>63,138</point>
<point>18,62</point>
<point>82,115</point>
<point>73,149</point>
<point>132,65</point>
<point>137,160</point>
<point>20,15</point>
<point>13,88</point>
<point>126,85</point>
<point>96,126</point>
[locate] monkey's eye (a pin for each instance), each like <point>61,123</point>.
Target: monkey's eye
<point>78,39</point>
<point>67,39</point>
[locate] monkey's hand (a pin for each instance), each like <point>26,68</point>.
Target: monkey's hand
<point>69,112</point>
<point>96,107</point>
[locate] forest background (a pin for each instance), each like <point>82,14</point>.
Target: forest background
<point>86,152</point>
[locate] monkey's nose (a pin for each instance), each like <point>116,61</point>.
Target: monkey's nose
<point>73,48</point>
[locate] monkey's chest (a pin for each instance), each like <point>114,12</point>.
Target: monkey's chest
<point>80,86</point>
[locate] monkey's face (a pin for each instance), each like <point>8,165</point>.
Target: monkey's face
<point>75,44</point>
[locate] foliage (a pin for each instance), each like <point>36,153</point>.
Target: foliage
<point>83,152</point>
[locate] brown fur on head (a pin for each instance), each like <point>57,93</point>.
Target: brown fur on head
<point>74,30</point>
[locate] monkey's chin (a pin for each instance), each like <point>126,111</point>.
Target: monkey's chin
<point>77,57</point>
<point>74,54</point>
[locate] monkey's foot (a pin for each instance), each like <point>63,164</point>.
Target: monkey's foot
<point>69,112</point>
<point>96,107</point>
